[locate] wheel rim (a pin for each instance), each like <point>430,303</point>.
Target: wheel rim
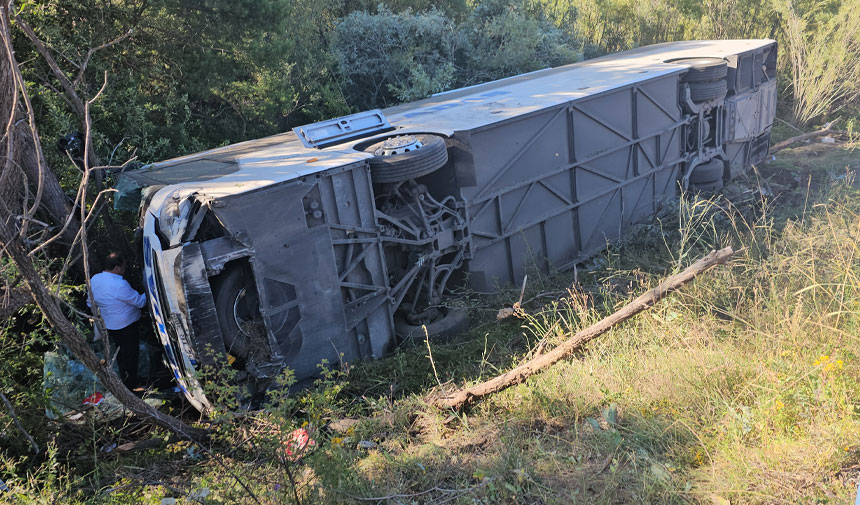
<point>243,311</point>
<point>398,145</point>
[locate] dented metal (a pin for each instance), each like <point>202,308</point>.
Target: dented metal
<point>285,253</point>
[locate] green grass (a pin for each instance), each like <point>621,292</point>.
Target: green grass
<point>744,387</point>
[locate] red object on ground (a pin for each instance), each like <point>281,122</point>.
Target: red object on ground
<point>296,443</point>
<point>94,399</point>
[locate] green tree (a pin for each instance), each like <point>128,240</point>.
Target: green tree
<point>503,39</point>
<point>189,76</point>
<point>386,58</point>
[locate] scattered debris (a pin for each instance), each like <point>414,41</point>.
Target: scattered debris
<point>516,310</point>
<point>94,399</point>
<point>366,444</point>
<point>297,444</point>
<point>74,392</point>
<point>200,494</point>
<point>342,425</point>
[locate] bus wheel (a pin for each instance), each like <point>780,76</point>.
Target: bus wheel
<point>449,324</point>
<point>405,157</point>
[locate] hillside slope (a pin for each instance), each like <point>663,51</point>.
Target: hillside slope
<point>740,388</point>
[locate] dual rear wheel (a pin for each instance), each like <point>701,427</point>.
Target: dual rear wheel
<point>706,78</point>
<point>708,177</point>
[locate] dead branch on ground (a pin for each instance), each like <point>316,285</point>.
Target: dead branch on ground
<point>461,398</point>
<point>826,130</point>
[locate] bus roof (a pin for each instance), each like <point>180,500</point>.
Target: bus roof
<point>240,167</point>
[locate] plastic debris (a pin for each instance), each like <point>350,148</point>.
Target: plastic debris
<point>200,494</point>
<point>297,443</point>
<point>94,399</point>
<point>75,392</point>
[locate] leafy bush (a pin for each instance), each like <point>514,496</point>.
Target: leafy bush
<point>502,39</point>
<point>387,58</point>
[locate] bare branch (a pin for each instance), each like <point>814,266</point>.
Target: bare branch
<point>31,120</point>
<point>65,83</point>
<point>458,399</point>
<point>10,145</point>
<point>77,103</point>
<point>83,217</point>
<point>62,232</point>
<point>12,246</point>
<point>69,335</point>
<point>826,129</point>
<point>92,51</point>
<point>18,424</point>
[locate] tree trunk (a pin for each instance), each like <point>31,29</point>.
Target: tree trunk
<point>20,150</point>
<point>13,299</point>
<point>70,337</point>
<point>19,161</point>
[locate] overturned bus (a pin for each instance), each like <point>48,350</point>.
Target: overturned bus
<point>333,240</point>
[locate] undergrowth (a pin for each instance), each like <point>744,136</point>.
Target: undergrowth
<point>742,387</point>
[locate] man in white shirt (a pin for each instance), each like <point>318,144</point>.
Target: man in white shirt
<point>119,305</point>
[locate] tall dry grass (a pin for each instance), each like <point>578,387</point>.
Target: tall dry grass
<point>823,53</point>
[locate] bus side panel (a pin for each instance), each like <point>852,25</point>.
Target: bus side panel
<point>556,186</point>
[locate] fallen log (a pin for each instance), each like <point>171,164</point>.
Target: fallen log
<point>463,397</point>
<point>826,130</point>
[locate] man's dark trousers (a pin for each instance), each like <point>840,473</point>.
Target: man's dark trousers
<point>128,341</point>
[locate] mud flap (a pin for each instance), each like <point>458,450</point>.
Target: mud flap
<point>200,307</point>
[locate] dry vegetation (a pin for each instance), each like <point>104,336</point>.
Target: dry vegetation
<point>741,388</point>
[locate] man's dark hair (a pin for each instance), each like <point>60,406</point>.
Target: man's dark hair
<point>114,260</point>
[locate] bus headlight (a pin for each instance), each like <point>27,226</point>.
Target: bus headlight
<point>173,219</point>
